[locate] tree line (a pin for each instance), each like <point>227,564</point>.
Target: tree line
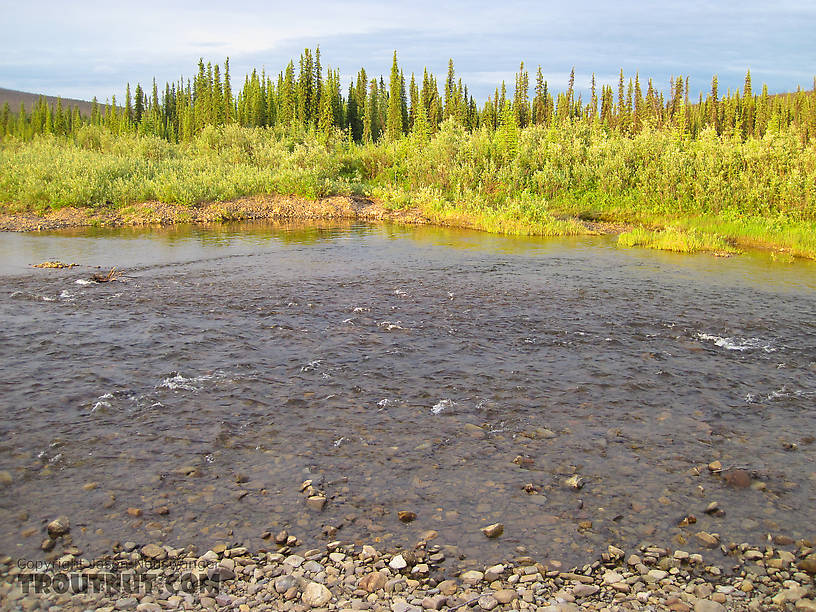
<point>305,97</point>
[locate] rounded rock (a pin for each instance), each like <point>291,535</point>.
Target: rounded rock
<point>406,516</point>
<point>808,565</point>
<point>505,596</point>
<point>373,582</point>
<point>737,478</point>
<point>494,530</point>
<point>316,595</point>
<point>398,563</point>
<point>706,605</point>
<point>612,578</point>
<point>59,526</point>
<point>585,590</point>
<point>448,587</point>
<point>284,583</point>
<point>153,551</point>
<point>316,502</point>
<point>472,577</point>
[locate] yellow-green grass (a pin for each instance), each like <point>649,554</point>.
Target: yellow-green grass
<point>674,239</point>
<point>516,216</point>
<point>714,192</point>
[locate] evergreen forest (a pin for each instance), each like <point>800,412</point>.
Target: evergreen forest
<point>729,168</point>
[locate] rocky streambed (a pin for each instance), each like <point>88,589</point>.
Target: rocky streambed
<point>425,381</point>
<point>777,575</point>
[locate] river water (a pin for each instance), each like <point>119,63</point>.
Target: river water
<point>401,368</point>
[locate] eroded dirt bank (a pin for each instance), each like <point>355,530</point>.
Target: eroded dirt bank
<point>271,207</point>
<point>256,207</point>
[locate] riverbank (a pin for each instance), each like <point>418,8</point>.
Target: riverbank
<point>158,213</point>
<point>286,208</point>
<point>707,193</point>
<point>691,235</point>
<point>777,575</point>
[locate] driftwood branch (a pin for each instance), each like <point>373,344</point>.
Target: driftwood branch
<point>112,275</point>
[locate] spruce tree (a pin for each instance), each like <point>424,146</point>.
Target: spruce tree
<point>370,114</point>
<point>48,123</point>
<point>593,100</point>
<point>420,130</point>
<point>271,103</point>
<point>352,115</point>
<point>429,97</point>
<point>548,105</point>
<point>218,113</point>
<point>287,96</point>
<point>318,83</point>
<point>361,89</point>
<point>649,110</point>
<point>228,101</point>
<point>325,123</point>
<point>521,97</point>
<point>59,119</point>
<point>629,107</point>
<point>403,103</point>
<point>460,111</point>
<point>21,130</point>
<point>488,117</point>
<point>748,107</point>
<point>138,110</point>
<point>450,91</point>
<point>382,107</point>
<point>637,119</point>
<point>111,116</point>
<point>413,97</point>
<point>540,99</point>
<point>607,111</point>
<point>5,119</point>
<point>436,112</point>
<point>678,108</point>
<point>128,104</point>
<point>713,107</point>
<point>507,134</point>
<point>305,89</point>
<point>337,106</point>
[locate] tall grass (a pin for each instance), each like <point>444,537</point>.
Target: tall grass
<point>761,191</point>
<point>673,239</point>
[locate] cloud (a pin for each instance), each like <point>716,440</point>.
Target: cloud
<point>93,48</point>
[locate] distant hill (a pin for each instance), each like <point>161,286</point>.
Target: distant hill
<point>15,98</point>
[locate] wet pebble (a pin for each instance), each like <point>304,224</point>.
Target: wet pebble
<point>406,516</point>
<point>494,530</point>
<point>59,526</point>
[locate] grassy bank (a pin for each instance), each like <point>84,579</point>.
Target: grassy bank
<point>715,192</point>
<point>673,239</point>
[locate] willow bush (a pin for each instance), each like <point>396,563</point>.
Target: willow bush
<point>750,191</point>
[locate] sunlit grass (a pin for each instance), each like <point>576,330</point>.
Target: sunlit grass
<point>678,240</point>
<point>715,193</point>
<point>517,216</point>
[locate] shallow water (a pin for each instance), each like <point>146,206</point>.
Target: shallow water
<point>360,356</point>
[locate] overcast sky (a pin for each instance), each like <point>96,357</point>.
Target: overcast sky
<point>84,48</point>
